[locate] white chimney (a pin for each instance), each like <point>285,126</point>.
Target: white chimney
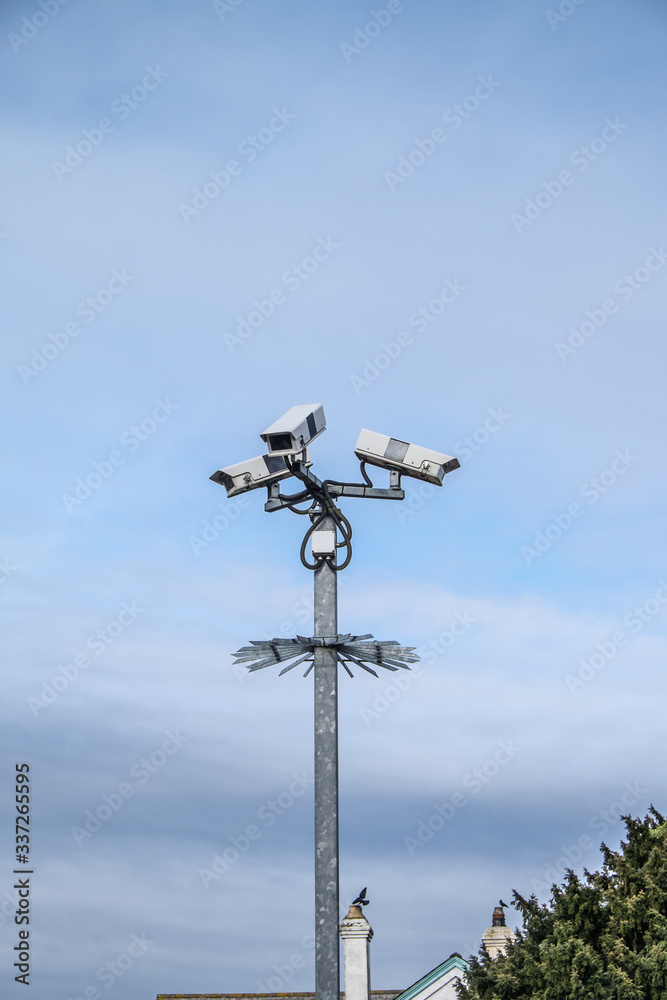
<point>497,936</point>
<point>356,933</point>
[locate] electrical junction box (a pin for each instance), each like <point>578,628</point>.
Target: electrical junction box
<point>323,543</point>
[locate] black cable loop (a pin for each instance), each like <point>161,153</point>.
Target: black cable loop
<point>297,511</point>
<point>344,527</point>
<point>322,497</point>
<point>295,497</point>
<point>337,515</point>
<point>346,562</point>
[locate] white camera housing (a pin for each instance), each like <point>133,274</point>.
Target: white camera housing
<point>409,459</point>
<point>253,473</point>
<point>295,429</point>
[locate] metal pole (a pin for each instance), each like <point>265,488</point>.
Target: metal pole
<point>327,972</point>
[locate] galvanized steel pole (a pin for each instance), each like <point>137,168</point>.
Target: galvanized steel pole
<point>287,439</point>
<point>327,969</point>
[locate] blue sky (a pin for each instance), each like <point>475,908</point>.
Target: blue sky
<point>511,152</point>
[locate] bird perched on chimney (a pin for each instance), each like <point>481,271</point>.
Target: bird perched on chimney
<point>503,904</point>
<point>361,898</point>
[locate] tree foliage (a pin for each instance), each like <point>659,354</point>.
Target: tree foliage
<point>601,937</point>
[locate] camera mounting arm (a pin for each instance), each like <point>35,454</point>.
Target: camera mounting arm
<point>320,491</point>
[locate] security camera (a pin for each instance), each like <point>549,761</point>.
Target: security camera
<point>409,459</point>
<point>255,472</point>
<point>295,429</point>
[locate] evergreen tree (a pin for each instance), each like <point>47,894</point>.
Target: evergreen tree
<point>603,937</point>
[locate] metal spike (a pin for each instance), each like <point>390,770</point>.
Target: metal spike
<point>264,661</point>
<point>368,669</point>
<point>389,654</point>
<point>295,664</point>
<point>360,664</point>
